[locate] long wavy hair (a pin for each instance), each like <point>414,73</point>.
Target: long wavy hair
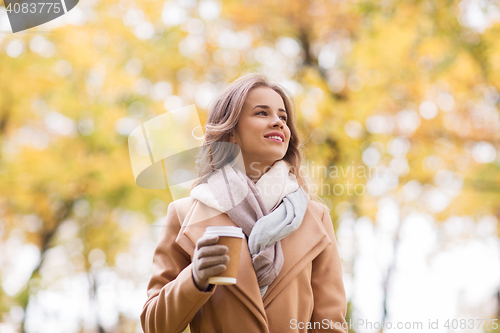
<point>224,113</point>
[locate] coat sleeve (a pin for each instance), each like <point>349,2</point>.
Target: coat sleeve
<point>330,302</point>
<point>173,298</point>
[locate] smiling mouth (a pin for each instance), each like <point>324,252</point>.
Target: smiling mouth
<point>275,138</point>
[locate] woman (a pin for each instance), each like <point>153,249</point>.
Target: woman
<point>290,276</point>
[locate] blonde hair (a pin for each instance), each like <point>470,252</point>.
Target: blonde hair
<point>222,119</point>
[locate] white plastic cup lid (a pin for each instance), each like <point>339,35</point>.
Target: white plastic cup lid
<point>228,231</point>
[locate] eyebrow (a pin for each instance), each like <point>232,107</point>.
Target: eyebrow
<point>267,107</point>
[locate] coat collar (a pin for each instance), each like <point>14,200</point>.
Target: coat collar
<point>299,248</point>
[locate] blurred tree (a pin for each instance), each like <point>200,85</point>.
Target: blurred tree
<point>408,88</point>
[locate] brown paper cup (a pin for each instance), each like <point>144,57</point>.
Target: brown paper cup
<point>232,237</point>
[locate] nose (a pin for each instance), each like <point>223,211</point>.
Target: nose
<point>277,122</point>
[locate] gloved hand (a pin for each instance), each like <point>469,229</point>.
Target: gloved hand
<point>209,260</point>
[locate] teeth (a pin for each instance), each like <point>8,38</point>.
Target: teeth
<point>275,137</point>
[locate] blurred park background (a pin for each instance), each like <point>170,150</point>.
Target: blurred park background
<point>409,88</point>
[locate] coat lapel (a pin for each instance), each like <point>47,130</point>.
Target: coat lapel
<point>299,248</point>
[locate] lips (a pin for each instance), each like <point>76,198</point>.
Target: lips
<point>276,136</point>
<point>275,139</point>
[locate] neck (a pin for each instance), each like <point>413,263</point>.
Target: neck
<point>255,169</point>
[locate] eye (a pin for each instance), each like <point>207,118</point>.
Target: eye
<point>285,118</point>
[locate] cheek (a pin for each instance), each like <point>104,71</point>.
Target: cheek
<point>253,132</point>
<point>248,137</point>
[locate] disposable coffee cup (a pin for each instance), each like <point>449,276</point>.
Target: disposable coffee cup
<point>232,237</point>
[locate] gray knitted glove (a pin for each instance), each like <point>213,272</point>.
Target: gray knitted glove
<point>209,260</point>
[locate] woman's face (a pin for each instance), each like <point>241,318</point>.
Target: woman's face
<point>263,115</point>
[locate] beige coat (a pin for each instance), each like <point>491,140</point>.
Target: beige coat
<point>308,292</point>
